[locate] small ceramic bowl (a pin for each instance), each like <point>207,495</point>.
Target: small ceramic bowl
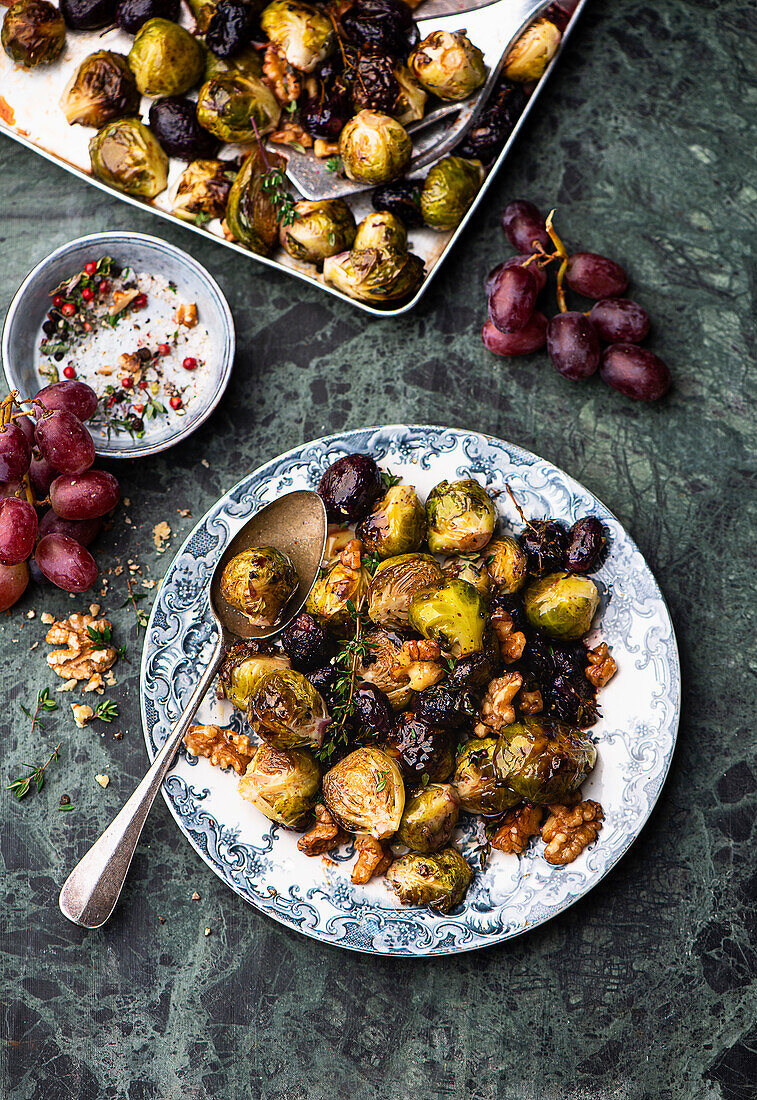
<point>142,253</point>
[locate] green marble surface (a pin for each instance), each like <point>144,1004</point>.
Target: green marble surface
<point>646,989</point>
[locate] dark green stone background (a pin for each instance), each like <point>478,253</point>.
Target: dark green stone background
<point>645,989</point>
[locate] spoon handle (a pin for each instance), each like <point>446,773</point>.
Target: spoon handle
<point>90,892</point>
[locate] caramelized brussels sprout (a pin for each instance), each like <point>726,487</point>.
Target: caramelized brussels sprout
<point>397,524</point>
<point>126,155</point>
<point>246,61</point>
<point>334,591</point>
<point>543,760</point>
<point>102,88</point>
<point>282,785</point>
<point>241,670</point>
<point>533,51</point>
<point>33,33</point>
<point>173,120</point>
<point>374,275</point>
<point>451,612</point>
<point>320,229</point>
<point>259,582</point>
<point>394,584</point>
<point>468,568</point>
<point>430,817</point>
<point>203,11</point>
<point>374,148</point>
<point>364,793</point>
<point>228,104</point>
<point>460,516</point>
<point>420,749</point>
<point>477,782</point>
<point>165,59</point>
<point>410,105</point>
<point>561,605</point>
<point>304,34</point>
<point>450,188</point>
<point>287,710</point>
<point>448,64</point>
<point>506,564</point>
<point>381,230</point>
<point>250,213</point>
<point>380,664</point>
<point>437,882</point>
<point>203,190</point>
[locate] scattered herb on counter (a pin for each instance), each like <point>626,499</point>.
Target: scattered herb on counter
<point>20,787</point>
<point>106,711</point>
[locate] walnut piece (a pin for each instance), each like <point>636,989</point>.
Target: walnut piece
<point>601,667</point>
<point>416,664</point>
<point>161,533</point>
<point>336,541</point>
<point>82,658</point>
<point>222,747</point>
<point>530,702</point>
<point>323,149</point>
<point>517,829</point>
<point>351,556</point>
<point>511,642</point>
<point>497,710</point>
<point>323,837</point>
<point>569,829</point>
<point>373,859</point>
<point>283,80</point>
<point>186,315</point>
<point>82,714</point>
<point>291,133</point>
<point>103,780</point>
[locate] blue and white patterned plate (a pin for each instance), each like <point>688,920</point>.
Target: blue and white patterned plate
<point>260,860</point>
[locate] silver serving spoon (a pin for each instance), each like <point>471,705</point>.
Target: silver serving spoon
<point>295,523</point>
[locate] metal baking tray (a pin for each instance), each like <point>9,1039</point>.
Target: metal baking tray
<point>31,115</point>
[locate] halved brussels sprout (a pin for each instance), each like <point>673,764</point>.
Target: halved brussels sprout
<point>381,230</point>
<point>477,782</point>
<point>228,104</point>
<point>468,568</point>
<point>430,817</point>
<point>319,229</point>
<point>449,189</point>
<point>374,275</point>
<point>561,605</point>
<point>259,582</point>
<point>33,33</point>
<point>282,785</point>
<point>411,102</point>
<point>102,88</point>
<point>451,612</point>
<point>165,59</point>
<point>203,11</point>
<point>304,34</point>
<point>287,710</point>
<point>542,759</point>
<point>243,668</point>
<point>250,213</point>
<point>533,51</point>
<point>379,666</point>
<point>437,882</point>
<point>397,524</point>
<point>506,564</point>
<point>364,793</point>
<point>461,517</point>
<point>203,188</point>
<point>448,64</point>
<point>374,148</point>
<point>394,584</point>
<point>334,591</point>
<point>127,155</point>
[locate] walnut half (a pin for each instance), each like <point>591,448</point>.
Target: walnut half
<point>570,829</point>
<point>222,747</point>
<point>601,667</point>
<point>373,859</point>
<point>517,829</point>
<point>82,658</point>
<point>511,642</point>
<point>497,710</point>
<point>323,837</point>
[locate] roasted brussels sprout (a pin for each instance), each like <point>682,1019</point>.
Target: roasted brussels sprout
<point>203,190</point>
<point>448,64</point>
<point>451,612</point>
<point>33,33</point>
<point>561,605</point>
<point>88,15</point>
<point>445,706</point>
<point>410,104</point>
<point>102,88</point>
<point>226,104</point>
<point>461,517</point>
<point>334,591</point>
<point>394,584</point>
<point>349,486</point>
<point>174,122</point>
<point>374,275</point>
<point>397,525</point>
<point>165,59</point>
<point>133,14</point>
<point>259,582</point>
<point>126,155</point>
<point>250,213</point>
<point>437,882</point>
<point>230,27</point>
<point>468,568</point>
<point>282,785</point>
<point>543,760</point>
<point>380,664</point>
<point>381,230</point>
<point>364,793</point>
<point>506,564</point>
<point>305,642</point>
<point>241,670</point>
<point>304,34</point>
<point>374,148</point>
<point>401,198</point>
<point>203,11</point>
<point>450,188</point>
<point>320,229</point>
<point>386,25</point>
<point>246,61</point>
<point>421,750</point>
<point>287,710</point>
<point>477,782</point>
<point>533,51</point>
<point>430,817</point>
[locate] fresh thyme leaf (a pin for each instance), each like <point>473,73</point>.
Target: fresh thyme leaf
<point>291,108</point>
<point>389,480</point>
<point>20,787</point>
<point>202,219</point>
<point>68,806</point>
<point>334,164</point>
<point>101,636</point>
<point>380,778</point>
<point>371,562</point>
<point>106,711</point>
<point>274,184</point>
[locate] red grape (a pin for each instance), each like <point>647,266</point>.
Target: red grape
<point>595,276</point>
<point>527,339</point>
<point>85,496</point>
<point>75,397</point>
<point>13,582</point>
<point>11,489</point>
<point>635,372</point>
<point>84,531</point>
<point>65,442</point>
<point>512,299</point>
<point>573,345</point>
<point>66,563</point>
<point>538,273</point>
<point>26,424</point>
<point>18,530</point>
<point>523,224</point>
<point>41,475</point>
<point>15,452</point>
<point>619,320</point>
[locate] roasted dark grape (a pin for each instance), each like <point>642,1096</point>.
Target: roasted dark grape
<point>174,122</point>
<point>443,706</point>
<point>537,273</point>
<point>41,476</point>
<point>523,225</point>
<point>230,28</point>
<point>66,563</point>
<point>473,672</point>
<point>528,339</point>
<point>374,85</point>
<point>373,716</point>
<point>349,487</point>
<point>586,538</point>
<point>386,25</point>
<point>13,582</point>
<point>323,680</point>
<point>513,604</point>
<point>84,531</point>
<point>512,299</point>
<point>494,125</point>
<point>420,749</point>
<point>75,397</point>
<point>619,321</point>
<point>560,13</point>
<point>88,15</point>
<point>635,372</point>
<point>18,530</point>
<point>325,113</point>
<point>595,276</point>
<point>305,642</point>
<point>65,442</point>
<point>131,14</point>
<point>572,699</point>
<point>544,541</point>
<point>573,345</point>
<point>84,496</point>
<point>401,198</point>
<point>15,452</point>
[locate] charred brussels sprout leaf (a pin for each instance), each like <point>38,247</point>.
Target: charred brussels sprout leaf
<point>250,211</point>
<point>430,817</point>
<point>203,190</point>
<point>460,516</point>
<point>381,230</point>
<point>165,59</point>
<point>533,51</point>
<point>228,104</point>
<point>450,188</point>
<point>33,33</point>
<point>374,148</point>
<point>448,64</point>
<point>437,882</point>
<point>364,793</point>
<point>126,155</point>
<point>304,34</point>
<point>421,749</point>
<point>174,122</point>
<point>451,612</point>
<point>241,670</point>
<point>394,584</point>
<point>561,605</point>
<point>336,594</point>
<point>396,526</point>
<point>374,275</point>
<point>319,229</point>
<point>287,710</point>
<point>477,782</point>
<point>468,568</point>
<point>203,11</point>
<point>410,105</point>
<point>506,564</point>
<point>543,760</point>
<point>101,89</point>
<point>282,785</point>
<point>259,582</point>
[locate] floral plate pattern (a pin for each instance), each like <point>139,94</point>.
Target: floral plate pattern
<point>260,861</point>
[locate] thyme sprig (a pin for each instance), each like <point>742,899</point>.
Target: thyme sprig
<point>102,637</point>
<point>106,711</point>
<point>44,703</point>
<point>274,184</point>
<point>351,655</point>
<point>134,600</point>
<point>20,787</point>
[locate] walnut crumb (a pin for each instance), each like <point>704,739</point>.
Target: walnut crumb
<point>103,780</point>
<point>94,610</point>
<point>324,836</point>
<point>195,896</point>
<point>161,533</point>
<point>82,714</point>
<point>516,830</point>
<point>323,149</point>
<point>222,747</point>
<point>530,702</point>
<point>497,710</point>
<point>31,613</point>
<point>207,931</point>
<point>569,829</point>
<point>186,315</point>
<point>373,859</point>
<point>184,513</point>
<point>511,642</point>
<point>601,667</point>
<point>47,618</point>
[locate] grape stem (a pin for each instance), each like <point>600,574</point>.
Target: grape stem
<point>562,252</point>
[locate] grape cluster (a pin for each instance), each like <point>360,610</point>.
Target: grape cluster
<point>46,456</point>
<point>573,339</point>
